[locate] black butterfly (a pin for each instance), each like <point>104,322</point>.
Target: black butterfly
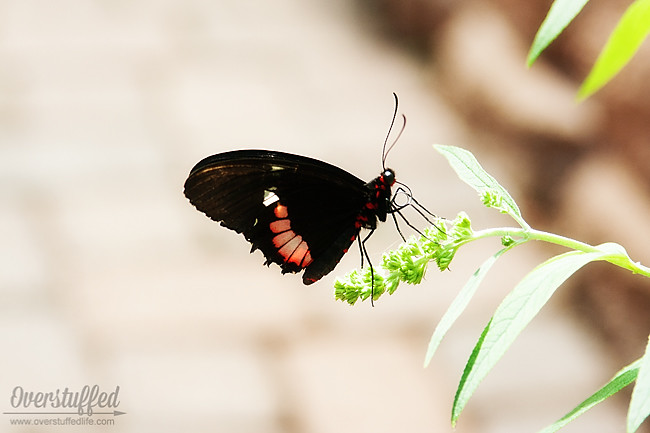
<point>302,213</point>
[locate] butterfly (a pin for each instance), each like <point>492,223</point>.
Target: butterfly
<point>302,213</point>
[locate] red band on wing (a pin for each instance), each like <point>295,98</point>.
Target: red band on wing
<point>290,245</point>
<point>280,226</point>
<point>280,211</point>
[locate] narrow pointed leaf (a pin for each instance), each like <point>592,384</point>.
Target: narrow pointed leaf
<point>459,304</point>
<point>470,171</point>
<point>624,41</point>
<point>466,373</point>
<point>514,313</point>
<point>622,379</point>
<point>562,12</point>
<point>640,403</point>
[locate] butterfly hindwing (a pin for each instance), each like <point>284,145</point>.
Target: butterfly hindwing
<point>300,212</point>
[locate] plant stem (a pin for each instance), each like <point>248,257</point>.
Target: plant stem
<point>621,260</point>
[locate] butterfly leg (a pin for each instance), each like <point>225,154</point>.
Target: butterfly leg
<point>407,223</point>
<point>364,253</point>
<point>397,225</point>
<point>412,202</point>
<point>396,211</point>
<point>418,206</point>
<point>360,250</point>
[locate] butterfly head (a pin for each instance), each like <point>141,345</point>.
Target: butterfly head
<point>387,178</point>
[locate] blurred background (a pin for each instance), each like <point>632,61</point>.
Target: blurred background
<point>110,277</point>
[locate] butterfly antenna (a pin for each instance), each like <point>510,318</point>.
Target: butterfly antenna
<point>384,152</point>
<point>383,161</point>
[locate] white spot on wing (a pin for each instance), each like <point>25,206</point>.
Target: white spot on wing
<point>269,198</point>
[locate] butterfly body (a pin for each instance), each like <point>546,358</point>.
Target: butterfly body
<point>302,213</point>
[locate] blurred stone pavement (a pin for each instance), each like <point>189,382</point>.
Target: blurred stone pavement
<point>110,277</point>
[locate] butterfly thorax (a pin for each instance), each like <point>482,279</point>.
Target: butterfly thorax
<point>377,205</point>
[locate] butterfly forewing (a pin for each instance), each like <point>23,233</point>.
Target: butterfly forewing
<point>300,212</point>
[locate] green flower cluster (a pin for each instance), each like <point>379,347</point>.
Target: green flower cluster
<point>408,263</point>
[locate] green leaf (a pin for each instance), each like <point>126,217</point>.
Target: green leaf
<point>467,371</point>
<point>515,312</point>
<point>458,305</point>
<point>622,379</point>
<point>562,12</point>
<point>470,171</point>
<point>640,402</point>
<point>631,30</point>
